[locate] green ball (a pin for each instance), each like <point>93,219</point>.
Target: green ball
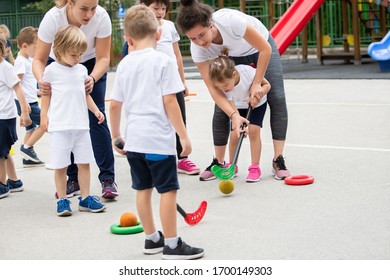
<point>226,186</point>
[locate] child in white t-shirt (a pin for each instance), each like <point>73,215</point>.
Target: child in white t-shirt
<point>146,84</point>
<point>65,116</point>
<point>26,40</point>
<point>235,82</point>
<point>9,82</point>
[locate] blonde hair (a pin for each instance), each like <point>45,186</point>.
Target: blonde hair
<point>140,22</point>
<point>5,30</point>
<point>27,35</point>
<point>69,38</point>
<point>3,44</point>
<point>62,3</point>
<point>221,68</point>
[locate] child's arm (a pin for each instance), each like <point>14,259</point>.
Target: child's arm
<point>115,122</point>
<point>45,103</point>
<point>179,61</point>
<point>266,86</point>
<point>94,109</point>
<point>24,107</point>
<point>173,111</point>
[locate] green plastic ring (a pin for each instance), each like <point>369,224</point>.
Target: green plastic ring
<point>117,229</point>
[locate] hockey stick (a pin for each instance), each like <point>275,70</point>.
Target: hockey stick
<point>193,218</point>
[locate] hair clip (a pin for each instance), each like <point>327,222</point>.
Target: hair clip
<point>217,63</point>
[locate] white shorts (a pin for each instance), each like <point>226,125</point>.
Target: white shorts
<point>62,143</point>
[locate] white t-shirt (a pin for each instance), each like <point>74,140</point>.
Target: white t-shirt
<point>68,105</point>
<point>8,79</point>
<point>143,77</point>
<point>29,83</point>
<point>98,27</point>
<point>240,92</point>
<point>169,36</point>
<point>232,25</point>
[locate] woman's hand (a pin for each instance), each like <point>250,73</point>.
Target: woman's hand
<point>256,93</point>
<point>89,84</point>
<point>44,88</point>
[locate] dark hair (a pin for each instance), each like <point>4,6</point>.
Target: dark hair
<point>192,13</point>
<point>150,2</point>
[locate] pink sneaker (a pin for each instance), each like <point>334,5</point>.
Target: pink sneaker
<point>279,168</point>
<point>188,167</point>
<point>254,173</point>
<point>235,171</point>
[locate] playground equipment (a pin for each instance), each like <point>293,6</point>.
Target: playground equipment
<point>380,51</point>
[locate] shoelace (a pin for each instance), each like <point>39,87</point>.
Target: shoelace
<point>109,182</point>
<point>31,149</point>
<point>92,200</point>
<point>64,203</point>
<point>280,163</point>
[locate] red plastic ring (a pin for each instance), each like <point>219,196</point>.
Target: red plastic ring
<point>298,180</point>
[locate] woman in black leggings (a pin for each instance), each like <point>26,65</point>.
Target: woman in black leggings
<point>248,42</point>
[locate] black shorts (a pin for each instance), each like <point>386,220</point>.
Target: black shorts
<point>153,170</point>
<point>8,136</point>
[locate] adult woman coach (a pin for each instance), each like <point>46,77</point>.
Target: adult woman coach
<point>248,42</point>
<point>94,21</point>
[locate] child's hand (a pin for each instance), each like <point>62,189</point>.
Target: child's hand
<point>118,143</point>
<point>237,125</point>
<point>25,119</point>
<point>44,123</point>
<point>100,116</point>
<point>186,146</point>
<point>186,92</point>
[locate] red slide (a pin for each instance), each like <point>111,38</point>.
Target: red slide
<point>293,21</point>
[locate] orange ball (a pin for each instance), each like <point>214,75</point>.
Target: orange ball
<point>128,219</point>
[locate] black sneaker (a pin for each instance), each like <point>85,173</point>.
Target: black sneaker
<point>15,186</point>
<point>4,190</point>
<point>109,189</point>
<point>29,163</point>
<point>207,174</point>
<point>152,248</point>
<point>182,252</point>
<point>29,153</point>
<point>72,189</point>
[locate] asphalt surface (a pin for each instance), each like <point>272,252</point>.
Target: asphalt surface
<point>338,132</point>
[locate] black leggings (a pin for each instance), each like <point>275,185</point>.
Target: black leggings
<point>276,99</point>
<point>182,105</point>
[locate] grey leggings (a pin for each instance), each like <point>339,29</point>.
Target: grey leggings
<point>276,99</point>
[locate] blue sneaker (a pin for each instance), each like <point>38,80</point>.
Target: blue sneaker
<point>15,186</point>
<point>63,207</point>
<point>91,204</point>
<point>30,154</point>
<point>4,190</point>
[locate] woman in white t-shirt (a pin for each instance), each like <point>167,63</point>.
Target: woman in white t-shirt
<point>248,42</point>
<point>95,23</point>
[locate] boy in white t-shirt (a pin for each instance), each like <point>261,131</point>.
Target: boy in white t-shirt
<point>146,84</point>
<point>26,40</point>
<point>169,44</point>
<point>65,116</point>
<point>9,83</point>
<point>235,81</point>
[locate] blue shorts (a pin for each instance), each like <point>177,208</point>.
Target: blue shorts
<point>153,170</point>
<point>35,115</point>
<point>8,136</point>
<point>257,115</point>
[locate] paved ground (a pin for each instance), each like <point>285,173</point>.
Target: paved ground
<point>338,132</point>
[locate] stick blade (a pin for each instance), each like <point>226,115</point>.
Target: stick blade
<point>194,218</point>
<point>223,173</point>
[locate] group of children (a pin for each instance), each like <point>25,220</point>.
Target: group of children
<point>155,98</point>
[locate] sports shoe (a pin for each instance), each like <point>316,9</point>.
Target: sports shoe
<point>72,189</point>
<point>152,248</point>
<point>63,207</point>
<point>254,173</point>
<point>15,186</point>
<point>279,168</point>
<point>29,163</point>
<point>29,153</point>
<point>207,175</point>
<point>188,167</point>
<point>4,190</point>
<point>235,170</point>
<point>91,204</point>
<point>182,252</point>
<point>109,189</point>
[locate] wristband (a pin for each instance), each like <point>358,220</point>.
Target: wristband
<point>232,114</point>
<point>93,78</point>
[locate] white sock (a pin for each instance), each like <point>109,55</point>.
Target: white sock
<point>155,237</point>
<point>171,242</point>
<point>26,146</point>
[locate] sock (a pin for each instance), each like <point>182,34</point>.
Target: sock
<point>26,146</point>
<point>171,242</point>
<point>155,237</point>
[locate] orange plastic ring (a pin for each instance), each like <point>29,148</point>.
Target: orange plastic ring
<point>298,180</point>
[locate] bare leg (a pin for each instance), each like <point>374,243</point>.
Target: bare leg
<point>84,177</point>
<point>27,136</point>
<point>168,214</point>
<point>255,143</point>
<point>35,136</point>
<point>145,211</point>
<point>3,171</point>
<point>11,171</point>
<point>233,141</point>
<point>278,147</point>
<point>60,181</point>
<point>220,153</point>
